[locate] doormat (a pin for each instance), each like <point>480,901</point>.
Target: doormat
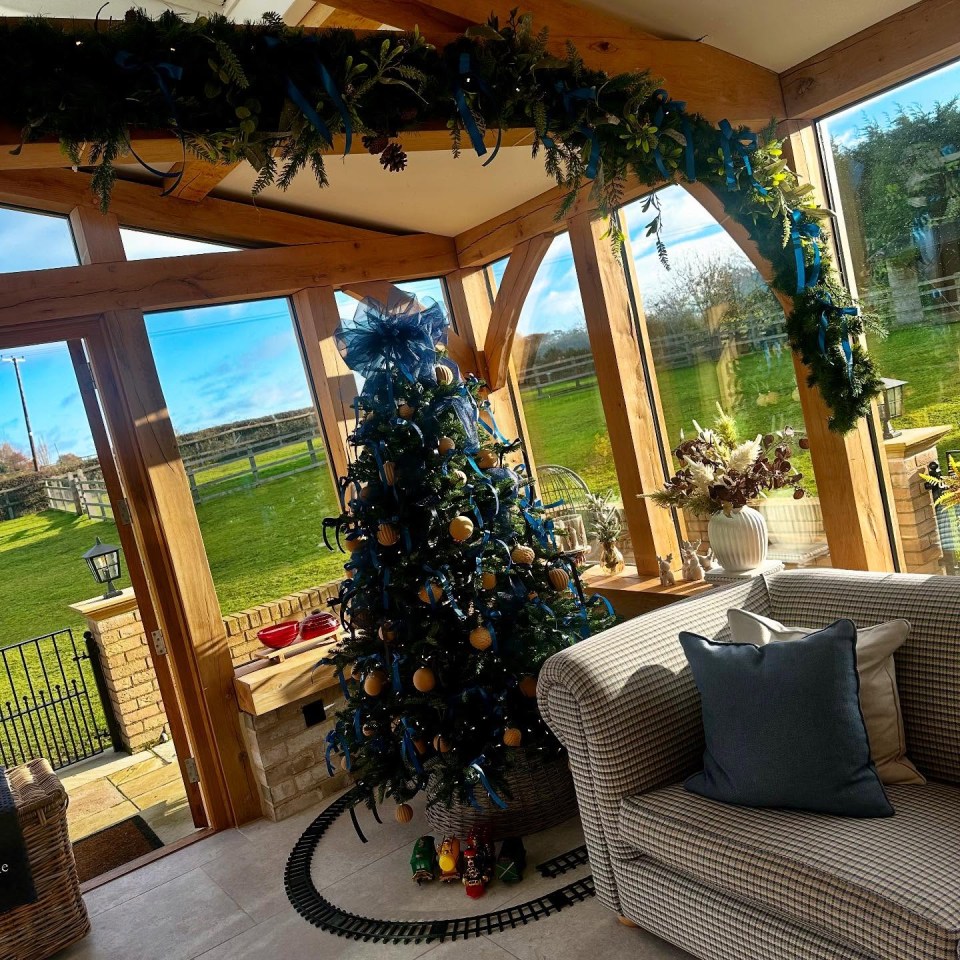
<point>316,909</point>
<point>114,846</point>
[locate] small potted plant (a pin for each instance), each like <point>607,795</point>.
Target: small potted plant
<point>606,527</point>
<point>721,477</point>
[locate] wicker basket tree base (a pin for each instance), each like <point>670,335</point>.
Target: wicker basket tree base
<point>542,796</point>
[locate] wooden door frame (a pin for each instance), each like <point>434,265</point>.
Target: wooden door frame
<point>153,567</point>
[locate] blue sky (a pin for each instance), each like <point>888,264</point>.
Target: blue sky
<point>236,361</point>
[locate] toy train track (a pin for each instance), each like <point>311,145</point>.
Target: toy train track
<point>563,863</point>
<point>319,911</point>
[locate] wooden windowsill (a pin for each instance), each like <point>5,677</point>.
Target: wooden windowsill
<point>632,593</point>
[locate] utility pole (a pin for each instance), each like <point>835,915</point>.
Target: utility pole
<point>16,361</point>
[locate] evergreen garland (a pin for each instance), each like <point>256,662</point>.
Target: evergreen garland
<point>274,96</point>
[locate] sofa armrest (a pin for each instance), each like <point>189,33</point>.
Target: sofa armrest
<point>624,705</point>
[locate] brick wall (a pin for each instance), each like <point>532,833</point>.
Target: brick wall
<point>288,756</point>
<point>915,511</point>
<point>128,668</point>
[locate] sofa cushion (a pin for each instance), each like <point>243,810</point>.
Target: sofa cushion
<point>890,887</point>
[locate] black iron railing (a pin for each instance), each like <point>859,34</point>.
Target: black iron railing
<point>46,708</point>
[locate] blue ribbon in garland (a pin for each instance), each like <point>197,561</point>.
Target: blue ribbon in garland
<point>466,115</point>
<point>664,106</point>
<point>800,230</point>
<point>743,143</point>
<point>477,767</point>
<point>842,312</point>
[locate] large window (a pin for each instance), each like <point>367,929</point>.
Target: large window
<point>34,241</point>
<point>719,344</point>
<point>895,163</point>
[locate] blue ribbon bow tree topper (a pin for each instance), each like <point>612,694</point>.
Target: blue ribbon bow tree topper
<point>398,336</point>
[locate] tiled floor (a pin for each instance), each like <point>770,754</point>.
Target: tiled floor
<point>223,899</point>
<point>113,786</point>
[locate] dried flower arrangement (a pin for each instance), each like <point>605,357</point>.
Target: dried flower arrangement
<point>721,473</point>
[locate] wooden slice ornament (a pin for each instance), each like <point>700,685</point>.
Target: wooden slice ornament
<point>486,459</point>
<point>374,682</point>
<point>461,528</point>
<point>424,679</point>
<point>488,580</point>
<point>528,686</point>
<point>559,578</point>
<point>436,592</point>
<point>512,737</point>
<point>446,444</point>
<point>481,638</point>
<point>387,535</point>
<point>522,555</point>
<point>404,813</point>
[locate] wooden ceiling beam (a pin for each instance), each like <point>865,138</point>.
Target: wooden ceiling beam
<point>904,45</point>
<point>140,206</point>
<point>325,16</point>
<point>713,82</point>
<point>200,178</point>
<point>171,283</point>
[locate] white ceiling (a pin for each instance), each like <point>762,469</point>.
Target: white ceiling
<point>775,33</point>
<point>436,193</point>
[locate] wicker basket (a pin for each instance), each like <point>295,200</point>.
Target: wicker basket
<point>542,796</point>
<point>59,917</point>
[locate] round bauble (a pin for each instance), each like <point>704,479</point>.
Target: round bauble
<point>446,444</point>
<point>458,477</point>
<point>444,374</point>
<point>488,580</point>
<point>436,592</point>
<point>483,392</point>
<point>404,813</point>
<point>364,492</point>
<point>353,544</point>
<point>486,459</point>
<point>387,535</point>
<point>461,528</point>
<point>424,680</point>
<point>389,472</point>
<point>420,745</point>
<point>528,686</point>
<point>356,673</point>
<point>374,682</point>
<point>512,737</point>
<point>533,595</point>
<point>559,578</point>
<point>349,573</point>
<point>405,410</point>
<point>481,638</point>
<point>388,632</point>
<point>344,764</point>
<point>522,555</point>
<point>369,730</point>
<point>440,744</point>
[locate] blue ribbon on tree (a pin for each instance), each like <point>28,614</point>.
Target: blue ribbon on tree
<point>477,767</point>
<point>398,661</point>
<point>800,230</point>
<point>407,747</point>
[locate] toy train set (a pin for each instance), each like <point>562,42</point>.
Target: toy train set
<point>474,862</point>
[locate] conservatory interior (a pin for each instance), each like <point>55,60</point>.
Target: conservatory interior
<point>432,431</point>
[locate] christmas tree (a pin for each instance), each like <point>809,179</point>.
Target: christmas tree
<point>455,592</point>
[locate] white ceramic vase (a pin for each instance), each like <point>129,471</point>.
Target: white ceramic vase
<point>740,540</point>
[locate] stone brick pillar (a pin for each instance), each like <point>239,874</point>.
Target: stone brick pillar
<point>127,667</point>
<point>909,455</point>
<point>286,748</point>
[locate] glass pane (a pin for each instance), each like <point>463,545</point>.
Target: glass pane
<point>566,430</point>
<point>897,186</point>
<point>34,241</point>
<point>719,343</point>
<point>239,400</point>
<point>143,245</point>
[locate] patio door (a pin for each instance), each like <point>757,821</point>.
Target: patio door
<point>77,497</point>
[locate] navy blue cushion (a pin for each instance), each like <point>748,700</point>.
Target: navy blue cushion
<point>783,726</point>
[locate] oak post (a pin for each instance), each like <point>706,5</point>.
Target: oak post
<point>169,539</point>
<point>625,390</point>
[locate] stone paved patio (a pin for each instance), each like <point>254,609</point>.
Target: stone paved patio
<point>113,786</point>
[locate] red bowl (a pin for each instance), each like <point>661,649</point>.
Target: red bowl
<point>279,635</point>
<point>318,625</point>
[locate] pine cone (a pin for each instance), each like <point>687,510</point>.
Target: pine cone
<point>376,144</point>
<point>394,158</point>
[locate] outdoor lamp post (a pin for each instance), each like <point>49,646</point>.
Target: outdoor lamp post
<point>890,405</point>
<point>103,559</point>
